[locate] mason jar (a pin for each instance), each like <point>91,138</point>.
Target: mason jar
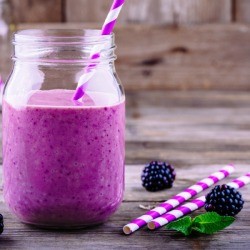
<point>63,158</point>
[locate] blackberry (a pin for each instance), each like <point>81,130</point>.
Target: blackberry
<point>224,200</point>
<point>158,176</point>
<point>1,224</point>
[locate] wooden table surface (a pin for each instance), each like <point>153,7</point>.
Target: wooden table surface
<point>195,131</point>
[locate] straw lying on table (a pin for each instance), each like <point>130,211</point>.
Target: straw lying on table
<point>178,199</point>
<point>107,29</point>
<point>193,205</point>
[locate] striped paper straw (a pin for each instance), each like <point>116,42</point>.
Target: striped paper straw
<point>107,29</point>
<point>178,199</point>
<point>193,205</point>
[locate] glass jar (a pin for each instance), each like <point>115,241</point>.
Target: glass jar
<point>63,160</point>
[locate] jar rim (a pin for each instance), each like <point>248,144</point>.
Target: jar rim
<point>61,36</point>
<point>63,46</point>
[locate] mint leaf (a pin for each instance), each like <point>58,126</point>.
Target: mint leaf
<point>207,223</point>
<point>211,222</point>
<point>183,225</point>
<point>207,217</point>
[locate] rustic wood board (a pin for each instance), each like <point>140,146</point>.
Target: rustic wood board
<point>152,11</point>
<point>242,9</point>
<point>135,11</point>
<point>36,10</point>
<point>208,57</point>
<point>110,236</point>
<point>188,127</point>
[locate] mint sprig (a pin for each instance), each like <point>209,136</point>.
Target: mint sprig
<point>207,223</point>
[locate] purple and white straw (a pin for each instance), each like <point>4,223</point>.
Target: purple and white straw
<point>107,29</point>
<point>178,199</point>
<point>193,205</point>
<point>113,14</point>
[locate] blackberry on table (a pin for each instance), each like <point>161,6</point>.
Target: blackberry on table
<point>158,176</point>
<point>224,200</point>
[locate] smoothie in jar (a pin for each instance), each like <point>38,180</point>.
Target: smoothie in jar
<point>64,161</point>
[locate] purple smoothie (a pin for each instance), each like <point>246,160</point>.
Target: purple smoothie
<point>63,163</point>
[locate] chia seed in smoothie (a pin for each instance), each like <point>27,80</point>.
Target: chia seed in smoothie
<point>63,162</point>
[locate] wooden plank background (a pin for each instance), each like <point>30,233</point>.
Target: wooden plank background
<point>135,11</point>
<point>152,11</point>
<point>36,10</point>
<point>207,57</point>
<point>243,11</point>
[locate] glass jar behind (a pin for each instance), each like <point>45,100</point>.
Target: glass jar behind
<point>63,160</point>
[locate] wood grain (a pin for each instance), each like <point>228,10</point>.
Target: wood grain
<point>207,57</point>
<point>188,127</point>
<point>135,11</point>
<point>152,11</point>
<point>36,10</point>
<point>109,235</point>
<point>242,13</point>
